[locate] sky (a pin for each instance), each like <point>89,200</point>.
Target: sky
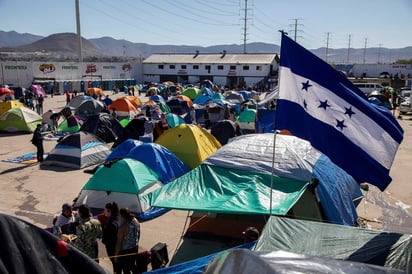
<point>314,23</point>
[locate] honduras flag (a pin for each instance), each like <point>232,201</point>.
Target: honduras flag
<point>318,104</point>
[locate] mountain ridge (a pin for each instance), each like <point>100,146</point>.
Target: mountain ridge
<point>64,45</point>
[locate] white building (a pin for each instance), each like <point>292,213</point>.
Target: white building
<point>68,76</point>
<point>232,70</point>
<point>378,70</point>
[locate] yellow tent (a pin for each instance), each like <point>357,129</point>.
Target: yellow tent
<point>5,106</point>
<point>190,143</point>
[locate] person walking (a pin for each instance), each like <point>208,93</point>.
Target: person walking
<point>40,101</point>
<point>148,130</point>
<point>394,102</point>
<point>127,241</point>
<point>37,140</point>
<point>111,212</point>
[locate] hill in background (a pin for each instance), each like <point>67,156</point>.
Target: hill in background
<point>64,46</point>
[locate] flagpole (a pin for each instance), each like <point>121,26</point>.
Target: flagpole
<point>273,170</point>
<point>274,149</point>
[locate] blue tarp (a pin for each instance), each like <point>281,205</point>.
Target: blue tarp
<point>197,266</point>
<point>265,122</point>
<point>336,190</point>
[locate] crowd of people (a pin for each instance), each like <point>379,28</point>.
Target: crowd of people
<point>118,229</point>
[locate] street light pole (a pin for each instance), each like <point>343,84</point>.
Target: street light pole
<point>79,36</point>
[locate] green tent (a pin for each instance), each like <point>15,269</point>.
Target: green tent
<point>215,189</point>
<point>218,96</point>
<point>63,127</point>
<point>19,119</point>
<point>192,93</point>
<point>247,115</point>
<point>164,107</point>
<point>246,120</point>
<point>125,121</point>
<point>123,181</point>
<point>389,249</point>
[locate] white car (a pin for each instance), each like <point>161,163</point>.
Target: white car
<point>405,105</point>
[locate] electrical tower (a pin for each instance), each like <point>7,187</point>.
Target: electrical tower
<point>327,46</point>
<point>295,28</point>
<point>347,57</point>
<point>79,36</point>
<point>245,19</point>
<point>364,51</point>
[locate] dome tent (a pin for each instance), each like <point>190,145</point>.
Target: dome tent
<point>78,150</point>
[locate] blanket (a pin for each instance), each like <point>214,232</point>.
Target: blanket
<point>29,158</point>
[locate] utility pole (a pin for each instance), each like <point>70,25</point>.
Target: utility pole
<point>347,57</point>
<point>79,36</point>
<point>295,28</point>
<point>245,28</point>
<point>379,53</point>
<point>364,51</point>
<point>327,46</point>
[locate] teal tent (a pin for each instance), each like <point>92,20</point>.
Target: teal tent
<point>123,181</point>
<point>174,120</point>
<point>247,119</point>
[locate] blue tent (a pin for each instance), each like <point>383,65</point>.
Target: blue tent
<point>157,98</point>
<point>207,91</point>
<point>158,158</point>
<point>202,99</point>
<point>107,101</point>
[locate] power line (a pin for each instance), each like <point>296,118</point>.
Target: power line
<point>214,7</point>
<point>197,19</point>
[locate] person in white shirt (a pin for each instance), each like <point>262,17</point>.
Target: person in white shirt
<point>65,220</point>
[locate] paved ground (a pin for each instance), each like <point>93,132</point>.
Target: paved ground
<point>36,194</point>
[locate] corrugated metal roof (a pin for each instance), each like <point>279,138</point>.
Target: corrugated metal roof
<point>210,59</point>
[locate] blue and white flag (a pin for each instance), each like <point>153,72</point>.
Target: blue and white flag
<point>318,104</point>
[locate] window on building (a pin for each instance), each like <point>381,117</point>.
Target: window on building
<point>207,67</point>
<point>245,67</point>
<point>232,67</point>
<point>220,67</point>
<point>160,66</point>
<point>183,66</point>
<point>258,67</point>
<point>195,66</point>
<point>172,66</point>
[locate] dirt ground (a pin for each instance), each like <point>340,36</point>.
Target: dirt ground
<point>35,194</point>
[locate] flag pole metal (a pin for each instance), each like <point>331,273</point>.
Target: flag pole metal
<point>273,157</point>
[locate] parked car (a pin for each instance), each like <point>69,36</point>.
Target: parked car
<point>405,105</point>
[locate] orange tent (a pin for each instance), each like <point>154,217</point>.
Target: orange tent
<point>92,91</point>
<point>185,98</point>
<point>151,103</point>
<point>123,107</point>
<point>134,100</point>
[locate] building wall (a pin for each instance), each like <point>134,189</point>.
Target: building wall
<point>218,73</point>
<point>70,75</point>
<point>375,70</point>
<point>21,74</point>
